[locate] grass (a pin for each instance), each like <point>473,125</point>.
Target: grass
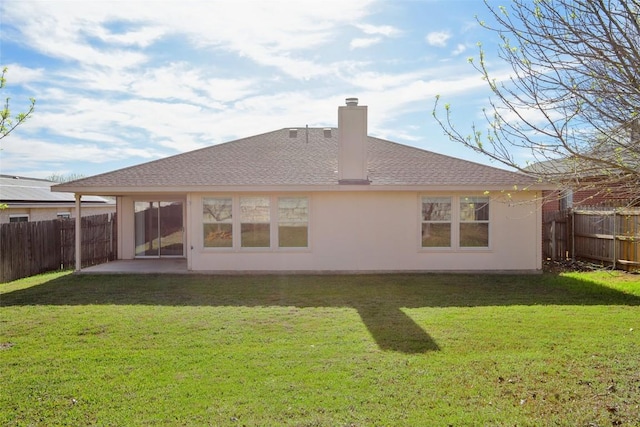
<point>368,350</point>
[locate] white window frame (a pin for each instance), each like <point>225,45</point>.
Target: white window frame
<point>12,216</point>
<point>274,222</point>
<point>279,221</point>
<point>475,221</point>
<point>242,220</point>
<point>225,221</point>
<point>63,215</point>
<point>449,221</point>
<point>455,224</point>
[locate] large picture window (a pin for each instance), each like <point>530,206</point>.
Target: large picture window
<point>293,222</point>
<point>255,222</point>
<point>454,222</point>
<point>217,220</point>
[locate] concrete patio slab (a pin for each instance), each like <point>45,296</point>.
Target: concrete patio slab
<point>139,266</point>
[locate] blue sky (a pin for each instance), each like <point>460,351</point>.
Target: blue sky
<point>120,83</point>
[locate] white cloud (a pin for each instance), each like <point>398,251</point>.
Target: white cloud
<point>373,30</point>
<point>142,37</point>
<point>61,30</point>
<point>364,42</point>
<point>438,38</point>
<point>383,30</point>
<point>20,75</point>
<point>376,81</point>
<point>24,154</point>
<point>136,80</point>
<point>460,48</point>
<point>269,35</point>
<point>187,83</point>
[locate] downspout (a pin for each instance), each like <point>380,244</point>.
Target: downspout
<point>78,232</point>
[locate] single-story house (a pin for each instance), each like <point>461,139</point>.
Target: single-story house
<point>31,199</point>
<point>324,199</point>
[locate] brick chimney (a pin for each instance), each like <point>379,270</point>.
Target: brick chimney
<point>352,143</point>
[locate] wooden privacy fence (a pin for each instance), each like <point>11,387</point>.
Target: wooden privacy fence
<point>556,235</point>
<point>606,235</point>
<point>28,248</point>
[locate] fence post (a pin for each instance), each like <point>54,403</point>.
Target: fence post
<point>78,233</point>
<point>573,234</point>
<point>553,240</point>
<point>615,238</point>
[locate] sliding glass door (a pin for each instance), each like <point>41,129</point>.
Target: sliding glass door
<point>159,229</point>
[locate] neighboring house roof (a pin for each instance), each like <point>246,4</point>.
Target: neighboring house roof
<point>607,157</point>
<point>555,169</point>
<point>23,190</point>
<point>310,159</point>
<point>569,172</point>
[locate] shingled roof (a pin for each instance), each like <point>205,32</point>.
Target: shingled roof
<point>310,158</point>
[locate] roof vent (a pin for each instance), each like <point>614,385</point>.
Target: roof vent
<point>352,102</point>
<point>327,132</point>
<point>293,133</point>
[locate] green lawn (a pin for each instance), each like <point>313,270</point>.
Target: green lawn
<point>364,350</point>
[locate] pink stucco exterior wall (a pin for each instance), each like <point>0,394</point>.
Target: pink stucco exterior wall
<point>363,231</point>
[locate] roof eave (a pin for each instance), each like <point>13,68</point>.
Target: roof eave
<point>124,191</point>
<point>58,205</point>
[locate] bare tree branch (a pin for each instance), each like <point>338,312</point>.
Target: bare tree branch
<point>572,102</point>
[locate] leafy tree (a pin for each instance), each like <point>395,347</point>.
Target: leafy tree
<point>8,123</point>
<point>572,101</point>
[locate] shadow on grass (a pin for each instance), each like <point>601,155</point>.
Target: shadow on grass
<point>379,299</point>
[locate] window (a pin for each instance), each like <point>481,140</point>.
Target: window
<point>293,222</point>
<point>436,222</point>
<point>260,222</point>
<point>474,222</point>
<point>217,222</point>
<point>19,218</point>
<point>255,224</point>
<point>454,222</point>
<point>63,215</point>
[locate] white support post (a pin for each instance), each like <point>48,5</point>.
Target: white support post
<point>78,232</point>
